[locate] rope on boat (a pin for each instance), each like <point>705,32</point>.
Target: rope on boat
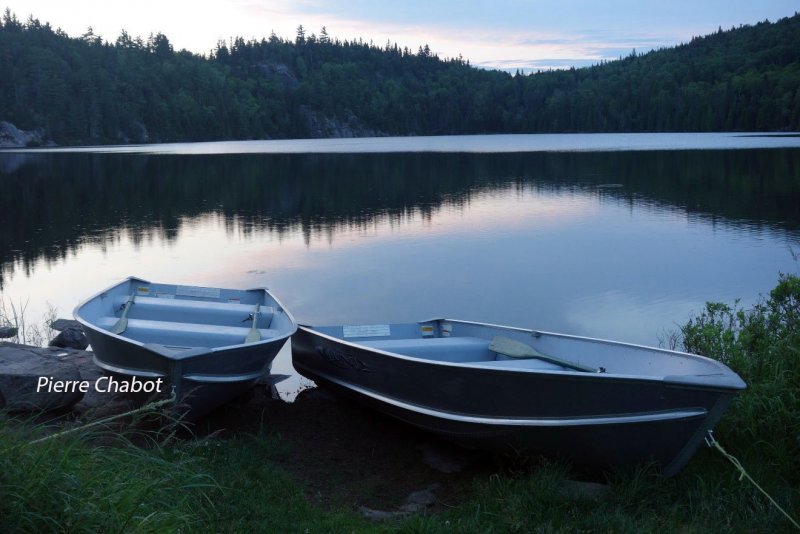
<point>714,444</point>
<point>147,407</point>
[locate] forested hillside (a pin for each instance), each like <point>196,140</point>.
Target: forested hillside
<point>85,90</point>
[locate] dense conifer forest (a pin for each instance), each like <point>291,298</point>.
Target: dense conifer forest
<point>87,90</point>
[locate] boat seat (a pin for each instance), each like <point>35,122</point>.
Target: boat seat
<point>194,311</point>
<point>443,349</point>
<point>184,334</point>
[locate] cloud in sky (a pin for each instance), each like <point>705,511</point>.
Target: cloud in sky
<point>505,34</point>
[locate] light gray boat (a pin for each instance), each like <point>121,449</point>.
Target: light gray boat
<point>210,344</point>
<point>592,402</point>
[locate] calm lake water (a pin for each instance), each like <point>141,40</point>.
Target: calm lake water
<point>616,236</point>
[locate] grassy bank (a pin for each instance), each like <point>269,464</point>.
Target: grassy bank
<point>98,481</point>
<point>238,481</point>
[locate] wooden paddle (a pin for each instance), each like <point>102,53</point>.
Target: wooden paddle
<point>516,349</point>
<point>122,324</point>
<point>254,335</point>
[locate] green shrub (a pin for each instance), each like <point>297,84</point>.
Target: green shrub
<point>762,344</point>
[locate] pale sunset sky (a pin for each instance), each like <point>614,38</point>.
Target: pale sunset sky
<point>504,34</point>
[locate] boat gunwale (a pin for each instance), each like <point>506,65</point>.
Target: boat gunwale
<point>178,355</point>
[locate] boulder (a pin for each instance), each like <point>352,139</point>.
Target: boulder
<point>7,331</point>
<point>71,337</point>
<point>61,324</point>
<point>22,366</point>
<point>417,501</point>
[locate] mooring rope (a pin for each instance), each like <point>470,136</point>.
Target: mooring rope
<point>713,443</point>
<point>147,407</point>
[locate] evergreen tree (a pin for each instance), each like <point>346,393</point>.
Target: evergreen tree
<point>87,91</point>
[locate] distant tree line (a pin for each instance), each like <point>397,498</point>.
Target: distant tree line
<point>81,90</point>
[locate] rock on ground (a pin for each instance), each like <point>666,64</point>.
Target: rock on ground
<point>21,367</point>
<point>7,331</point>
<point>70,338</point>
<point>417,501</point>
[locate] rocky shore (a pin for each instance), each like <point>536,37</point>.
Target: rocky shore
<point>13,137</point>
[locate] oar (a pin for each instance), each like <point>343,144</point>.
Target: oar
<point>120,326</point>
<point>254,335</point>
<point>517,349</point>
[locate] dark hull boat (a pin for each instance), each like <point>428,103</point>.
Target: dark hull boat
<point>591,402</point>
<point>209,344</point>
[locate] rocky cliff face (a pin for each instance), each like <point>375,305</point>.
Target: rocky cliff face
<point>320,126</point>
<point>13,137</point>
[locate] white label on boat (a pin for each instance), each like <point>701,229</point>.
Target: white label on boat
<point>447,329</point>
<point>164,295</point>
<point>366,330</point>
<point>202,292</point>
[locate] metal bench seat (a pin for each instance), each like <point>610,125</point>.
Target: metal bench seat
<point>445,349</point>
<point>185,334</point>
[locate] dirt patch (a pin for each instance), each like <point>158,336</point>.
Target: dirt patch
<point>343,454</point>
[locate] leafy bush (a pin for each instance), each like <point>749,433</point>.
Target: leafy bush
<point>762,344</point>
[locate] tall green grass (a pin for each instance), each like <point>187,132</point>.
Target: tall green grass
<point>107,481</point>
<point>97,481</point>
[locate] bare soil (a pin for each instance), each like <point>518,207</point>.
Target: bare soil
<point>343,454</point>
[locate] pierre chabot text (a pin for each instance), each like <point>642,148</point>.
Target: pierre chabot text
<point>104,384</point>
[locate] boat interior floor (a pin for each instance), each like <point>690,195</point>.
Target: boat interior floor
<point>472,350</point>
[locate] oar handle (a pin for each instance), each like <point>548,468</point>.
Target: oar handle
<point>569,364</point>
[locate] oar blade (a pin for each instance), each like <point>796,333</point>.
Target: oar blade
<point>120,326</point>
<point>512,348</point>
<point>254,335</point>
<point>517,349</point>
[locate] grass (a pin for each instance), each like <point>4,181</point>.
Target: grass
<point>699,500</point>
<point>109,482</point>
<point>232,486</point>
<point>98,481</point>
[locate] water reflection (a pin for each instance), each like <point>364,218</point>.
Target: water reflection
<point>51,204</point>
